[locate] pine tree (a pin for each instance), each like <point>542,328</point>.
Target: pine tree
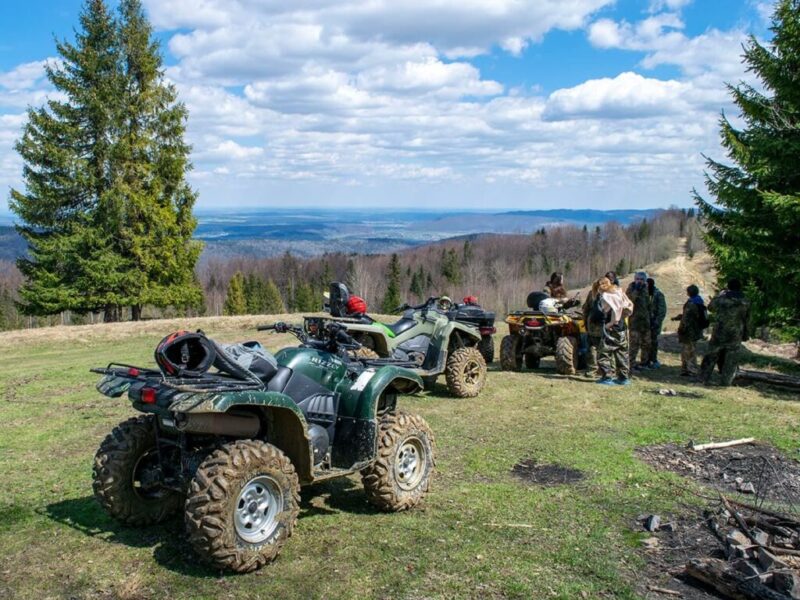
<point>391,300</point>
<point>106,211</point>
<point>753,229</point>
<point>305,299</point>
<point>451,267</point>
<point>273,303</point>
<point>235,301</point>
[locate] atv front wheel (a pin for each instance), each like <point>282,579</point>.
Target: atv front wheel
<point>365,352</point>
<point>126,473</point>
<point>401,473</point>
<point>486,347</point>
<point>242,505</point>
<point>511,353</point>
<point>465,372</point>
<point>566,355</point>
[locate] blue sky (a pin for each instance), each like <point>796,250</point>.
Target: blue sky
<point>451,103</point>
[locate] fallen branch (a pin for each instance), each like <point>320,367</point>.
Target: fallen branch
<point>519,525</point>
<point>661,590</point>
<point>777,379</point>
<point>714,445</point>
<point>764,511</point>
<point>716,574</point>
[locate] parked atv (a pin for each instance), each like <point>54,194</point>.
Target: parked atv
<point>472,313</point>
<point>232,446</point>
<point>425,336</point>
<point>548,328</point>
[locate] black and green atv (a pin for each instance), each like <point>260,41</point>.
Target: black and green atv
<point>228,435</point>
<point>427,337</point>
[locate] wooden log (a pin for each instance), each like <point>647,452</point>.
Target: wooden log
<point>660,590</point>
<point>714,445</point>
<point>777,379</point>
<point>715,573</point>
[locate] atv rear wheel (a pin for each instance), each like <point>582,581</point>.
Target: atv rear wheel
<point>566,355</point>
<point>242,506</point>
<point>126,472</point>
<point>465,372</point>
<point>511,353</point>
<point>401,473</point>
<point>486,347</point>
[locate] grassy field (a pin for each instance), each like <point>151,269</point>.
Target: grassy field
<point>480,533</point>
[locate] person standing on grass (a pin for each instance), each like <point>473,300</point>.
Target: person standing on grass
<point>693,321</point>
<point>594,318</point>
<point>659,312</point>
<point>639,322</point>
<point>613,355</point>
<point>731,323</point>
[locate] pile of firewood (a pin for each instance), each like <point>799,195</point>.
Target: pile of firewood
<point>762,549</point>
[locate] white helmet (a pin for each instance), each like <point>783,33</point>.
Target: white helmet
<point>549,306</point>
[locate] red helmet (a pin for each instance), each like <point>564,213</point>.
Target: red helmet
<point>471,300</point>
<point>184,352</point>
<point>356,305</point>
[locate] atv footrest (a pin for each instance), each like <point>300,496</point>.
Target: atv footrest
<point>383,362</point>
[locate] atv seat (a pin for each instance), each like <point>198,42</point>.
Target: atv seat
<point>401,326</point>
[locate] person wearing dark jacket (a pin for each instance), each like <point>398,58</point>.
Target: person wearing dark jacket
<point>639,322</point>
<point>692,323</point>
<point>555,287</point>
<point>595,320</point>
<point>657,316</point>
<point>731,311</point>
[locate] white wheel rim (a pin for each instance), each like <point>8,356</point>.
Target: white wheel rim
<point>257,508</point>
<point>410,463</point>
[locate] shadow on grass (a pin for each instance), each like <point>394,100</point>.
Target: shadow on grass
<point>171,549</point>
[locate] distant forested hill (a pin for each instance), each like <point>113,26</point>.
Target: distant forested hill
<point>12,246</point>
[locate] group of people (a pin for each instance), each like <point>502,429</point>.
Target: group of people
<point>623,328</point>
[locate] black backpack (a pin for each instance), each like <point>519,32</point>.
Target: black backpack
<point>704,321</point>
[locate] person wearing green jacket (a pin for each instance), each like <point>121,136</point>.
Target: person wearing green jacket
<point>731,311</point>
<point>639,321</point>
<point>658,313</point>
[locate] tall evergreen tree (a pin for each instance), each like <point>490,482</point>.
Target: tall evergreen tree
<point>391,300</point>
<point>106,211</point>
<point>273,303</point>
<point>235,300</point>
<point>753,229</point>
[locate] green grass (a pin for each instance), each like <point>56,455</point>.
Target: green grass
<point>479,533</point>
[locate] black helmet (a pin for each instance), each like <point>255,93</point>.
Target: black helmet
<point>185,353</point>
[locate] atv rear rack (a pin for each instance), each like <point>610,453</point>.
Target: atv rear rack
<point>201,383</point>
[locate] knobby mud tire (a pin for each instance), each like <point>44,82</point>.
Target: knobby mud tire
<point>566,355</point>
<point>486,346</point>
<point>213,496</point>
<point>114,471</point>
<point>510,355</point>
<point>465,372</point>
<point>380,479</point>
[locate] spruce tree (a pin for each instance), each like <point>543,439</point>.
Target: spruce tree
<point>106,211</point>
<point>753,228</point>
<point>235,300</point>
<point>305,299</point>
<point>391,299</point>
<point>273,303</point>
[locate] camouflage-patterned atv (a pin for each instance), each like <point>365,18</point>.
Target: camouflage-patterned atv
<point>548,328</point>
<point>231,447</point>
<point>425,337</point>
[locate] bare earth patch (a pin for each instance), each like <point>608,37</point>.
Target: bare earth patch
<point>759,470</point>
<point>545,474</point>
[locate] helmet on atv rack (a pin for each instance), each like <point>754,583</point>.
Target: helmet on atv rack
<point>356,305</point>
<point>185,353</point>
<point>444,303</point>
<point>471,300</point>
<point>549,306</point>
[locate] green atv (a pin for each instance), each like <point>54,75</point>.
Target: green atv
<point>231,447</point>
<point>425,338</point>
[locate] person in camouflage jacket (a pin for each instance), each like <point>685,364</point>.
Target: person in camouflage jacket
<point>731,311</point>
<point>639,322</point>
<point>594,318</point>
<point>693,321</point>
<point>659,312</point>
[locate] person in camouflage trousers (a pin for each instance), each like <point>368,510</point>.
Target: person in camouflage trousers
<point>594,319</point>
<point>659,312</point>
<point>693,321</point>
<point>613,354</point>
<point>731,322</point>
<point>639,322</point>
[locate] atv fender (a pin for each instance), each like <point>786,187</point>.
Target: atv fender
<point>368,394</point>
<point>283,423</point>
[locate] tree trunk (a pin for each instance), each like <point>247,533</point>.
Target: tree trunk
<point>136,312</point>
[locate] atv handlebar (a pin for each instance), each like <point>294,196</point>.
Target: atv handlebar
<point>337,336</point>
<point>426,304</point>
